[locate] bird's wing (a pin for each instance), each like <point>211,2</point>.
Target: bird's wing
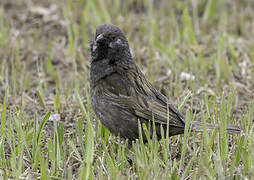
<point>129,89</point>
<point>148,109</point>
<point>155,104</point>
<point>160,114</point>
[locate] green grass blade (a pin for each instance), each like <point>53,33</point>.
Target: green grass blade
<point>42,124</point>
<point>3,119</point>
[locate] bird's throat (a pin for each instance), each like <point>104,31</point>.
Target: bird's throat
<point>100,69</point>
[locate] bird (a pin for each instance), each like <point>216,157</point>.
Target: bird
<point>122,97</point>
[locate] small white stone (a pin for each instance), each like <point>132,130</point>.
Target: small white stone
<point>186,76</point>
<point>169,72</point>
<point>55,117</point>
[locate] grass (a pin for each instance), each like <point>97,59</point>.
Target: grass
<point>48,129</point>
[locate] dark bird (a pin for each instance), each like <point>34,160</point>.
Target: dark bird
<point>121,96</point>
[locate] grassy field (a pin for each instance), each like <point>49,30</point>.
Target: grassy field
<point>200,54</point>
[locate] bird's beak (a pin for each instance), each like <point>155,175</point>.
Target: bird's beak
<point>99,38</point>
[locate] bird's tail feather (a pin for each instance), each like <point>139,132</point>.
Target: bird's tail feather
<point>197,126</point>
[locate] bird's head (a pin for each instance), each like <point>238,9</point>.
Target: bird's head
<point>109,43</point>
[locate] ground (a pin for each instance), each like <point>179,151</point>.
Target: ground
<point>200,54</point>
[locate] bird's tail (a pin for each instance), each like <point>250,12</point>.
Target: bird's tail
<point>197,126</point>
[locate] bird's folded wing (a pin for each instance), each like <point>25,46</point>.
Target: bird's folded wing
<point>160,114</point>
<point>149,109</point>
